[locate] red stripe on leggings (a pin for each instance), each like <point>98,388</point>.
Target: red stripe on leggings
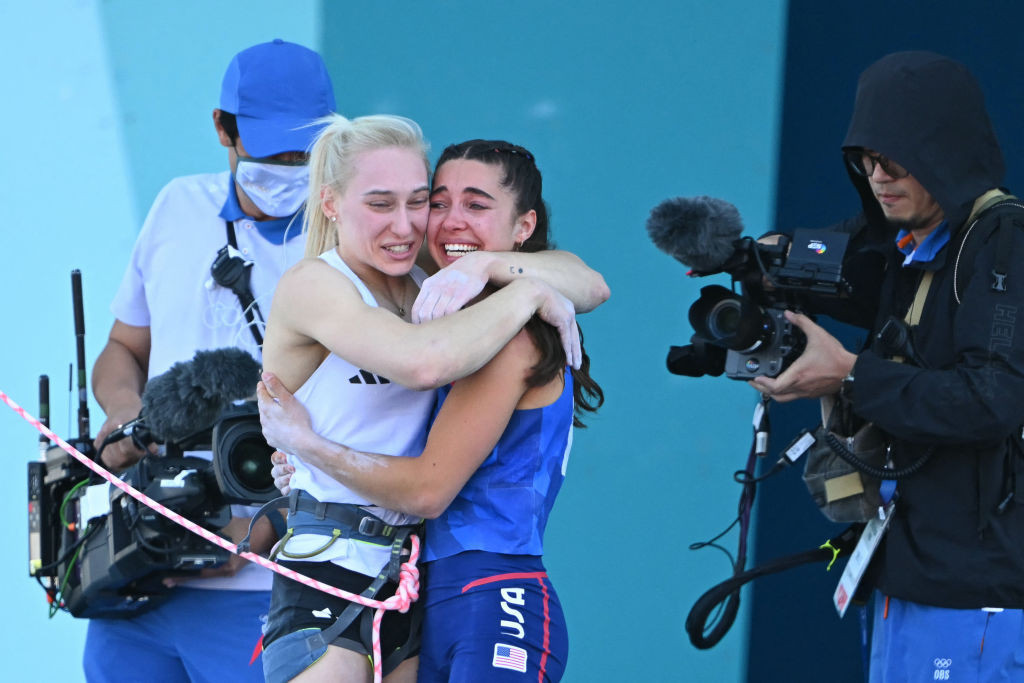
<point>540,576</point>
<point>504,577</point>
<point>547,633</point>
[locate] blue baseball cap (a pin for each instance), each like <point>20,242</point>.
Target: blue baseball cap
<point>275,90</point>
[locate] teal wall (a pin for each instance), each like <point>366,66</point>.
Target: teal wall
<point>66,202</point>
<point>624,104</point>
<point>103,103</point>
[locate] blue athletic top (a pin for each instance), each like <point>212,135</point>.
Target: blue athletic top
<point>504,506</point>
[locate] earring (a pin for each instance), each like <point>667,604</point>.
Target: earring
<point>334,219</point>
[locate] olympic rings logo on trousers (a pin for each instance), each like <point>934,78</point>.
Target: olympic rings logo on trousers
<point>943,663</point>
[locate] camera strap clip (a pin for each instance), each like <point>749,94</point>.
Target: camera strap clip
<point>232,270</point>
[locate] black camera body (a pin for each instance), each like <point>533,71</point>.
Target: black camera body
<point>758,340</point>
<point>784,343</point>
<point>107,552</point>
<point>101,552</point>
<point>128,551</point>
<point>746,335</point>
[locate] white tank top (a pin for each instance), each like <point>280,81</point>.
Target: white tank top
<point>366,412</point>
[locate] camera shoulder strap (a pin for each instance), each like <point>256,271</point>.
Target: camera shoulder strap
<point>230,270</point>
<point>913,316</point>
<point>911,319</point>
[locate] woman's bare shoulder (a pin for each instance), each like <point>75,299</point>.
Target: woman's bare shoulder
<point>313,276</point>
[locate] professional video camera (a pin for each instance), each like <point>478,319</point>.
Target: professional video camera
<point>103,553</point>
<point>744,334</point>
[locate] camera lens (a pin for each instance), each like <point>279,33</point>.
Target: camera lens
<point>723,319</point>
<point>241,459</point>
<point>249,460</point>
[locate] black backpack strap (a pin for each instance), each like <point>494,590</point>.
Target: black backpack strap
<point>231,270</point>
<point>999,268</point>
<point>963,267</point>
<point>996,493</point>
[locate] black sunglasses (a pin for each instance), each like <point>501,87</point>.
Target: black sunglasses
<point>863,163</point>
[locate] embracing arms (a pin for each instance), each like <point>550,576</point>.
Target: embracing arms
<point>455,285</point>
<point>468,426</point>
<point>317,307</point>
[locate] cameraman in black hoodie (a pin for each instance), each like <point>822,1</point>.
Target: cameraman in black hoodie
<point>947,247</point>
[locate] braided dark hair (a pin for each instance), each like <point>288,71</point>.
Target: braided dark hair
<point>522,178</point>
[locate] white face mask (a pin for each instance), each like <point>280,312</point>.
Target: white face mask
<point>277,190</point>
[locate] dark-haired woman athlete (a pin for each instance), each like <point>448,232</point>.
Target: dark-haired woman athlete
<point>496,454</point>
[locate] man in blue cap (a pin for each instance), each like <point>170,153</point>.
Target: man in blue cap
<point>172,302</point>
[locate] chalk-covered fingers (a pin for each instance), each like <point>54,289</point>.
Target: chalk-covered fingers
<point>449,289</point>
<point>285,420</point>
<point>282,472</point>
<point>559,312</point>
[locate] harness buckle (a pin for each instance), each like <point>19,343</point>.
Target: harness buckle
<point>368,526</point>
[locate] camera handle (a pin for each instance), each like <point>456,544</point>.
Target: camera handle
<point>135,429</point>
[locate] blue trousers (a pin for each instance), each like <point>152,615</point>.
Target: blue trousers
<point>196,636</point>
<point>912,642</point>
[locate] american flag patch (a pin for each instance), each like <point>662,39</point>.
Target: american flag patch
<point>509,657</point>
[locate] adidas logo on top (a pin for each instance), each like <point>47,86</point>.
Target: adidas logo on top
<point>364,377</point>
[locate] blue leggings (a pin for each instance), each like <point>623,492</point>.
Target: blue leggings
<point>912,642</point>
<point>491,617</point>
<point>196,636</point>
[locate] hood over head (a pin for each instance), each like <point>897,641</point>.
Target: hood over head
<point>927,113</point>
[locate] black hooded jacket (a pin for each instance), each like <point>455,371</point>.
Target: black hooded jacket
<point>950,543</point>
